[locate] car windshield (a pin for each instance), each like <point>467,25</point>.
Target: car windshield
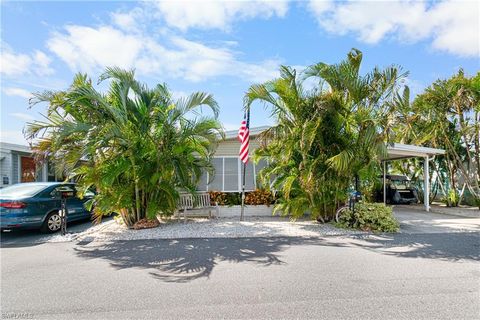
<point>21,190</point>
<point>400,184</point>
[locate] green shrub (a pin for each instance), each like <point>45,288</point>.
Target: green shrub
<point>470,200</point>
<point>370,217</point>
<point>226,198</point>
<point>452,198</point>
<point>257,197</point>
<point>234,199</point>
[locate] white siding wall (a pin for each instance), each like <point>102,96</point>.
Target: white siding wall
<point>5,167</point>
<point>232,146</point>
<point>15,168</point>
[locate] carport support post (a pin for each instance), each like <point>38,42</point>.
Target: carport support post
<point>426,187</point>
<point>384,182</point>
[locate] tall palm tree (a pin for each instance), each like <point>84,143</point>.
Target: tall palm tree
<point>447,115</point>
<point>137,146</point>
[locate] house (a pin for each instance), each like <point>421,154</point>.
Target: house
<point>228,167</point>
<point>17,165</point>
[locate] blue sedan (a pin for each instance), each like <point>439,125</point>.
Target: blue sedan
<point>35,206</point>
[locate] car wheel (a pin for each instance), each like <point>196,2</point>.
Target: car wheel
<point>52,223</point>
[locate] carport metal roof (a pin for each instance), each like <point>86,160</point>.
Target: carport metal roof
<point>403,151</point>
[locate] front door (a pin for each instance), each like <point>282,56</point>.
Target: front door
<point>27,169</point>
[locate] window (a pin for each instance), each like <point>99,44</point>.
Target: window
<point>53,176</point>
<point>22,190</point>
<point>258,167</point>
<point>249,176</point>
<point>216,182</point>
<point>231,174</point>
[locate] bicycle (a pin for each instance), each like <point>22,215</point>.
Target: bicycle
<point>349,205</point>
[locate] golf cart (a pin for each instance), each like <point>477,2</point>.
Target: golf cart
<point>399,190</point>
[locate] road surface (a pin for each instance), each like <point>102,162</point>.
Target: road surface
<point>404,276</point>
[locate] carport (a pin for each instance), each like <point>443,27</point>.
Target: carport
<point>398,151</point>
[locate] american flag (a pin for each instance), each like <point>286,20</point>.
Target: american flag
<point>244,137</point>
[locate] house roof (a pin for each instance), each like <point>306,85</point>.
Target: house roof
<point>231,134</point>
<point>395,150</point>
<point>15,147</point>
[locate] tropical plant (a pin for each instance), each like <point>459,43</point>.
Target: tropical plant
<point>326,136</point>
<point>447,116</point>
<point>256,197</point>
<point>259,197</point>
<point>219,197</point>
<point>374,217</point>
<point>137,146</point>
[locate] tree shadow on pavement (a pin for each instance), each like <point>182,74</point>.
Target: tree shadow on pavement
<point>184,260</point>
<point>452,246</point>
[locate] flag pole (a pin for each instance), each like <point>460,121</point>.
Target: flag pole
<point>243,192</point>
<point>244,172</point>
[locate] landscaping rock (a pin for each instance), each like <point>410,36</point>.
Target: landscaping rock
<point>220,228</point>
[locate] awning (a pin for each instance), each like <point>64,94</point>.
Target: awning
<point>404,151</point>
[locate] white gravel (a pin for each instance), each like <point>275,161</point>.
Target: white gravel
<point>58,238</point>
<point>215,228</point>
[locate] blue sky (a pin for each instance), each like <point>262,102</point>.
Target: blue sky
<point>222,47</point>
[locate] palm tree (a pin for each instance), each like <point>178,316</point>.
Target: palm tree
<point>137,146</point>
<point>447,115</point>
<point>326,136</point>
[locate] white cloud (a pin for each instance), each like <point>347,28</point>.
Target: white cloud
<point>13,136</point>
<point>89,49</point>
<point>458,27</point>
<point>320,7</point>
<point>41,63</point>
<point>130,21</point>
<point>215,14</point>
<point>22,116</point>
<point>85,48</point>
<point>14,64</point>
<point>18,64</point>
<point>452,26</point>
<point>10,91</point>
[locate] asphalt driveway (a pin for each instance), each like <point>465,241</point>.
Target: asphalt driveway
<point>413,220</point>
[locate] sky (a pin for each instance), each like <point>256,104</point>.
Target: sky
<point>222,47</point>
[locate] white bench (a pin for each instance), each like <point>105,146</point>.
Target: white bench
<point>199,202</point>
